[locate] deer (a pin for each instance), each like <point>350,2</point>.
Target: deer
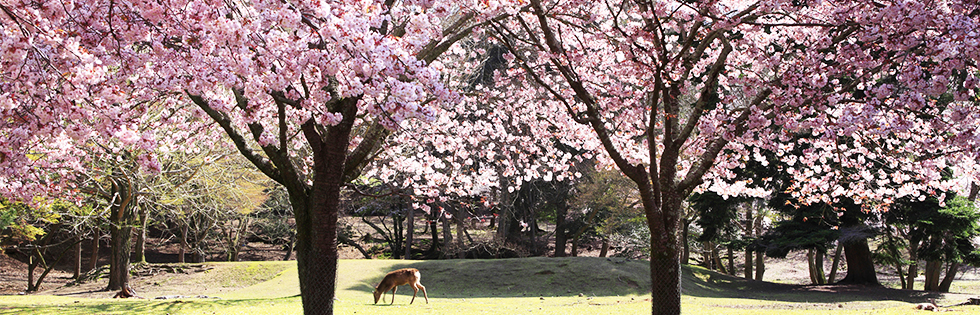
<point>392,280</point>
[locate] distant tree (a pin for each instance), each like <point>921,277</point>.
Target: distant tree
<point>606,206</point>
<point>40,232</point>
<point>940,234</point>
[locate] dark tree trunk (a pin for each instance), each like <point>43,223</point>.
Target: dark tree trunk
<point>716,258</point>
<point>93,259</point>
<point>731,261</point>
<point>860,266</point>
<point>318,208</point>
<point>685,234</point>
<point>409,234</point>
<point>447,233</point>
<point>121,237</point>
<point>810,266</point>
<point>460,233</point>
<point>605,248</point>
<point>289,247</point>
<point>397,230</point>
<point>760,256</point>
<point>934,269</point>
<point>760,265</point>
<point>32,263</point>
<point>836,262</point>
<point>954,267</point>
<point>818,258</point>
<point>665,267</point>
<point>914,266</point>
<point>561,211</point>
<point>505,210</point>
<point>434,230</point>
<point>575,247</point>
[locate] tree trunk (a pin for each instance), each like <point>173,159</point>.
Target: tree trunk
<point>31,264</point>
<point>575,247</point>
<point>434,230</point>
<point>835,263</point>
<point>707,255</point>
<point>748,234</point>
<point>760,256</point>
<point>410,234</point>
<point>663,219</point>
<point>561,211</point>
<point>685,235</point>
<point>810,266</point>
<point>317,210</point>
<point>948,278</point>
<point>289,247</point>
<point>731,261</point>
<point>665,268</point>
<point>398,227</point>
<point>447,232</point>
<point>900,270</point>
<point>818,263</point>
<point>716,259</point>
<point>934,269</point>
<point>182,252</point>
<point>121,238</point>
<point>460,233</point>
<point>760,265</point>
<point>93,259</point>
<point>123,211</point>
<point>139,254</point>
<point>32,285</point>
<point>77,257</point>
<point>860,266</point>
<point>914,266</point>
<point>532,220</point>
<point>505,209</point>
<point>605,248</point>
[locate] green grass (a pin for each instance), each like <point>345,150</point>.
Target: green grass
<point>507,286</point>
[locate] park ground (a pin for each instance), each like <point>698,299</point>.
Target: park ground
<point>542,285</point>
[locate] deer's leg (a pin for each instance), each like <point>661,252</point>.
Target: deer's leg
<point>393,289</point>
<point>420,286</point>
<point>414,293</point>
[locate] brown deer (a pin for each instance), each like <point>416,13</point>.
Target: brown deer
<point>392,280</point>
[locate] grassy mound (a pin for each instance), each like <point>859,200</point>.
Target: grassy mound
<point>534,277</point>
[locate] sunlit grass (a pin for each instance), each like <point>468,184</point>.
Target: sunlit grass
<point>508,286</point>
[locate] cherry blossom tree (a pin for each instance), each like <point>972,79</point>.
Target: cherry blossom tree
<point>305,90</point>
<point>675,91</point>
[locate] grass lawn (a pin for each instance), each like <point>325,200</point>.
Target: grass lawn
<point>582,285</point>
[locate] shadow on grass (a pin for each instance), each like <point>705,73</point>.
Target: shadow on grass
<point>701,282</point>
<point>113,306</point>
<point>525,277</point>
<point>592,276</point>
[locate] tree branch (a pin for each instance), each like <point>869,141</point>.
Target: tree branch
<point>260,162</point>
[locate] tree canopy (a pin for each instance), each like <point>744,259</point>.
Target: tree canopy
<point>675,94</point>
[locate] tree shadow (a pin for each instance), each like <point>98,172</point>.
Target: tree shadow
<point>701,282</point>
<point>592,276</point>
<point>525,277</point>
